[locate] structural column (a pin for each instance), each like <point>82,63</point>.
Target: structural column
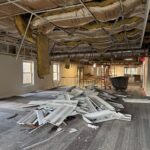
<point>146,76</point>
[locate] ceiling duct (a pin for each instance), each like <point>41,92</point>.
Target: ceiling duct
<point>43,66</point>
<point>21,26</point>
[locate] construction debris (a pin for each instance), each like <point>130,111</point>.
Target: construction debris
<point>13,116</point>
<point>130,100</point>
<point>72,130</point>
<point>93,104</point>
<point>93,126</point>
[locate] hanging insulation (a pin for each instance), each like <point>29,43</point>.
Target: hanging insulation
<point>43,4</point>
<point>103,13</point>
<point>43,66</point>
<point>133,21</point>
<point>120,37</point>
<point>96,32</point>
<point>8,25</point>
<point>67,63</point>
<point>21,26</point>
<point>90,27</point>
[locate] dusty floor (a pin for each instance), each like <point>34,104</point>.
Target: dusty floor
<point>111,135</point>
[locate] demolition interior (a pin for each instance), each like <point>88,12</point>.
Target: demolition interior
<point>75,75</point>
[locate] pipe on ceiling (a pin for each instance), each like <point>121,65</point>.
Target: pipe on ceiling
<point>129,53</point>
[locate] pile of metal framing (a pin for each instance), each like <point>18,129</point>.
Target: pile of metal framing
<point>93,104</point>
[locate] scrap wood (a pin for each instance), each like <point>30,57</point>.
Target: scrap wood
<point>29,105</point>
<point>36,128</point>
<point>13,116</point>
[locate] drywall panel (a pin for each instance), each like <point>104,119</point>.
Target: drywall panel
<point>11,78</point>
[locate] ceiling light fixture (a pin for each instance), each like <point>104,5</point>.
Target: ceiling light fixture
<point>128,59</point>
<point>94,65</point>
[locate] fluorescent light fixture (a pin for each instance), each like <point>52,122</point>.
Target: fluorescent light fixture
<point>128,59</point>
<point>94,65</point>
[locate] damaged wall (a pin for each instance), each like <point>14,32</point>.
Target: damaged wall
<point>11,78</point>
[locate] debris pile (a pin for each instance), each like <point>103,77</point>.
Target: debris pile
<point>93,104</point>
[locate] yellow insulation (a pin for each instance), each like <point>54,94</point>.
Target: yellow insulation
<point>21,26</point>
<point>119,37</point>
<point>43,59</point>
<point>67,63</point>
<point>127,21</point>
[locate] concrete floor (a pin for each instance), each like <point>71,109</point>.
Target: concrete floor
<point>111,135</point>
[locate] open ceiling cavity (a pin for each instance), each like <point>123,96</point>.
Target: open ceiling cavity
<point>101,25</point>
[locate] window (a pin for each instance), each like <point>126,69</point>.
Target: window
<point>130,70</point>
<point>98,71</point>
<point>28,72</point>
<point>56,75</point>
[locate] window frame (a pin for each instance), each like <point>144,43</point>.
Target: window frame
<point>56,72</point>
<point>31,72</point>
<point>130,70</point>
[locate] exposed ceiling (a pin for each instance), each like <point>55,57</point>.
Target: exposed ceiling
<point>77,26</point>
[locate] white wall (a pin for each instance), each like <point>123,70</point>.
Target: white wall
<point>146,76</point>
<point>11,78</point>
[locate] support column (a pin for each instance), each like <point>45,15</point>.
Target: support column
<point>146,76</point>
